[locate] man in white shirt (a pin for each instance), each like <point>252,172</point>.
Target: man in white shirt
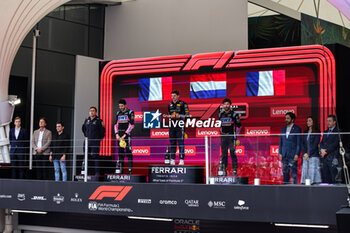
<point>41,149</point>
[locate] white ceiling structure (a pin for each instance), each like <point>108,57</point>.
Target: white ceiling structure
<point>294,8</point>
<point>19,16</point>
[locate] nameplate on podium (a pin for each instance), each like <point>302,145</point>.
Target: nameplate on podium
<point>175,174</point>
<point>125,178</point>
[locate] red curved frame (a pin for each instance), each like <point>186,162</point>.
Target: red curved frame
<point>301,55</point>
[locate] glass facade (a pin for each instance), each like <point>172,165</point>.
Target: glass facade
<point>67,31</point>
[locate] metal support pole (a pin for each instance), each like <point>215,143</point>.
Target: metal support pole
<point>206,160</point>
<point>86,160</point>
<point>36,34</point>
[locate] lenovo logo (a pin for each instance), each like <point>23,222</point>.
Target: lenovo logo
<point>117,192</point>
<point>189,151</point>
<point>141,150</point>
<point>239,151</point>
<point>159,133</point>
<point>207,132</point>
<point>257,131</point>
<point>138,116</point>
<point>281,111</point>
<point>274,150</point>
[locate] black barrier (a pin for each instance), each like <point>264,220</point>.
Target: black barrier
<point>287,204</point>
<point>343,220</point>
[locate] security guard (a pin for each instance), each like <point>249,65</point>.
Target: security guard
<point>93,128</point>
<point>122,128</point>
<point>178,111</point>
<point>230,126</point>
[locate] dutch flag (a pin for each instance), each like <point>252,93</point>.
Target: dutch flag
<point>266,83</point>
<point>208,86</point>
<point>151,89</point>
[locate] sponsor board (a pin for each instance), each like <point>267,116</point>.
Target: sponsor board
<point>144,201</point>
<point>106,207</point>
<point>217,204</point>
<point>117,193</point>
<point>58,199</point>
<point>21,197</point>
<point>168,202</point>
<point>107,191</point>
<point>207,132</point>
<point>138,116</point>
<point>240,151</point>
<point>282,110</point>
<point>274,150</point>
<point>5,196</point>
<point>186,225</point>
<point>38,198</point>
<point>257,131</point>
<point>192,203</point>
<point>116,177</point>
<point>168,170</point>
<point>141,150</point>
<point>159,133</point>
<point>241,205</point>
<point>189,151</point>
<point>175,174</point>
<point>76,198</point>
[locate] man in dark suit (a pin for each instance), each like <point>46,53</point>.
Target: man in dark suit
<point>289,148</point>
<point>330,151</point>
<point>19,149</point>
<point>93,128</point>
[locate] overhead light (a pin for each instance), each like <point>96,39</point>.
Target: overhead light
<point>12,99</point>
<point>29,211</point>
<point>151,219</point>
<point>301,225</point>
<point>17,101</point>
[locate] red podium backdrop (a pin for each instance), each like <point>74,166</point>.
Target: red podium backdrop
<point>303,81</point>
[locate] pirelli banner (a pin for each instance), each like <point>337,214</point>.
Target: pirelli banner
<point>215,202</point>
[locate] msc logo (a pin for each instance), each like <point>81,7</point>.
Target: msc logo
<point>117,192</point>
<point>151,120</point>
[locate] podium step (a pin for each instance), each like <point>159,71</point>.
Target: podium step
<point>175,174</point>
<point>228,180</point>
<point>89,178</point>
<point>125,178</point>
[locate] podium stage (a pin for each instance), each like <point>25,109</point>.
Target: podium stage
<point>244,203</point>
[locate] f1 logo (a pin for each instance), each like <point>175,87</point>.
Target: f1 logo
<point>117,192</point>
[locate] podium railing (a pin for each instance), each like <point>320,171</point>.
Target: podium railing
<point>257,158</point>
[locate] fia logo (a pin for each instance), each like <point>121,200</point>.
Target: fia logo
<point>151,120</point>
<point>92,205</point>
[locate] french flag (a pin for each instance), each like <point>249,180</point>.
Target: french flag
<point>266,83</point>
<point>152,89</point>
<point>207,86</point>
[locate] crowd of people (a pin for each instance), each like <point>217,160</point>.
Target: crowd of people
<point>320,158</point>
<point>321,162</point>
<point>47,147</point>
